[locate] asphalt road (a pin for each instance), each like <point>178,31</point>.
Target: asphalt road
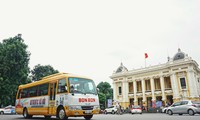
<point>144,116</point>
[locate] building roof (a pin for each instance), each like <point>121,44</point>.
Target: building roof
<point>179,55</point>
<point>180,58</point>
<point>121,68</point>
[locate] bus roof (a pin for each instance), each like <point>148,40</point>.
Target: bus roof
<point>50,78</point>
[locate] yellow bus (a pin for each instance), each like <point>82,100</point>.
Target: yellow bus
<point>62,95</point>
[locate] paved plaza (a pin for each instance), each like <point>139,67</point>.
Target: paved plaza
<point>144,116</point>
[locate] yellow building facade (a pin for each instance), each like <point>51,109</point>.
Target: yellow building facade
<point>159,85</point>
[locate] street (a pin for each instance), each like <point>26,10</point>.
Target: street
<point>144,116</point>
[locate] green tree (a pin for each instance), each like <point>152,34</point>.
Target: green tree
<point>14,70</point>
<point>41,71</point>
<point>106,90</point>
<point>102,99</point>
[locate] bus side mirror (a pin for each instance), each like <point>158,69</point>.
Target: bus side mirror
<point>97,90</point>
<point>72,89</point>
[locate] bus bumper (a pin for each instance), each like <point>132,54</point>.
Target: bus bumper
<point>81,112</point>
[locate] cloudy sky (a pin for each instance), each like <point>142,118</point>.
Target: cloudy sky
<point>92,38</point>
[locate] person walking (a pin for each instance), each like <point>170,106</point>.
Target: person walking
<point>118,108</point>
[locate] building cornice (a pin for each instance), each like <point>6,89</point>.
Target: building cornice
<point>166,66</point>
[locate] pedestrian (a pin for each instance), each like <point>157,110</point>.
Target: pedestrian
<point>118,108</point>
<point>143,108</point>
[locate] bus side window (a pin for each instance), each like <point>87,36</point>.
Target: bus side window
<point>24,93</point>
<point>33,91</point>
<point>42,90</point>
<point>27,93</point>
<point>19,94</point>
<point>39,92</point>
<point>45,89</point>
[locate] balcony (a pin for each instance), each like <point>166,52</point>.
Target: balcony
<point>158,92</point>
<point>131,94</point>
<point>157,89</point>
<point>148,92</point>
<point>168,89</point>
<point>139,93</point>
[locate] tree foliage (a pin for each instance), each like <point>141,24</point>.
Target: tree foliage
<point>14,70</point>
<point>41,71</point>
<point>105,92</point>
<point>104,87</point>
<point>102,99</point>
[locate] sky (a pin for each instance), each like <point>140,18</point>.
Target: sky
<point>92,38</point>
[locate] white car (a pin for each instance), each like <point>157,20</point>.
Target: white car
<point>8,110</point>
<point>136,109</point>
<point>1,111</point>
<point>164,109</point>
<point>184,107</point>
<point>111,109</point>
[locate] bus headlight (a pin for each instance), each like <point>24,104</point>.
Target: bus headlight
<point>96,108</point>
<point>75,108</point>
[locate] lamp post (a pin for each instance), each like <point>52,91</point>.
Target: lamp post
<point>105,100</point>
<point>106,93</point>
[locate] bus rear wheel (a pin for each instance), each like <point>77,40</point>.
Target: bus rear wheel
<point>61,114</point>
<point>88,117</point>
<point>25,113</point>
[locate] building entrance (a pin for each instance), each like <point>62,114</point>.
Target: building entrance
<point>169,100</point>
<point>131,101</point>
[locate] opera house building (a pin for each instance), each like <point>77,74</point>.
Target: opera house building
<point>159,85</point>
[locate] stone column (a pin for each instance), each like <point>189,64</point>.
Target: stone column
<point>125,92</point>
<point>162,88</point>
<point>192,84</point>
<point>175,88</point>
<point>135,91</point>
<point>153,100</point>
<point>143,90</point>
<point>152,89</point>
<point>114,91</point>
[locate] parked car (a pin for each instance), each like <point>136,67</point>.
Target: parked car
<point>111,109</point>
<point>136,109</point>
<point>164,109</point>
<point>8,110</point>
<point>184,107</point>
<point>101,111</point>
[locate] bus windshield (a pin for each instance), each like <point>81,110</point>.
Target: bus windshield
<point>82,86</point>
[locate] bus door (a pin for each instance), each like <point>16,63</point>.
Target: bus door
<point>52,104</point>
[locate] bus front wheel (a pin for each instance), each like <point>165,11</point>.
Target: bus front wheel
<point>61,114</point>
<point>25,114</point>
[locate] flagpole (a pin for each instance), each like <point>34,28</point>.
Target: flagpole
<point>145,57</point>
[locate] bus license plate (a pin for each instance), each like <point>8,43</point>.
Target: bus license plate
<point>88,111</point>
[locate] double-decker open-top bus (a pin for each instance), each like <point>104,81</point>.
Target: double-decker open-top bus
<point>62,95</point>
